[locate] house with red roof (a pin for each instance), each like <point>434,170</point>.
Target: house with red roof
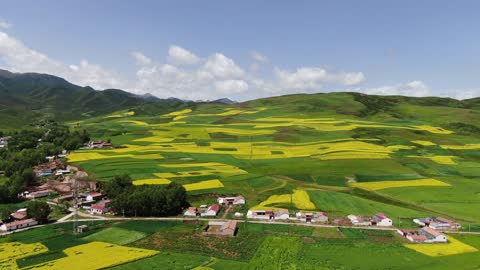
<point>381,220</point>
<point>423,235</point>
<point>211,211</point>
<point>18,224</point>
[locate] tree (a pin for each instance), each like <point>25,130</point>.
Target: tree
<point>38,210</point>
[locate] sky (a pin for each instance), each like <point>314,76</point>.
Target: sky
<point>204,50</point>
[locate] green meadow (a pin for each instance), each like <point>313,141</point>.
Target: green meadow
<point>322,143</point>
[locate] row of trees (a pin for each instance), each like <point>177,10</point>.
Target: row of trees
<point>130,200</point>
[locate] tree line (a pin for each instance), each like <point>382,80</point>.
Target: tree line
<point>151,200</point>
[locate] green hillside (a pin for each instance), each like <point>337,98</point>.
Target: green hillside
<point>341,153</point>
<point>28,97</point>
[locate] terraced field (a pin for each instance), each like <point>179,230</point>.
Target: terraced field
<point>268,150</point>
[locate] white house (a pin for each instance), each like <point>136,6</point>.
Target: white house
<point>360,221</point>
<point>381,220</point>
<point>38,194</point>
<point>238,200</point>
<point>62,172</point>
<point>312,217</point>
<point>191,212</point>
<point>282,214</point>
<point>18,224</point>
<point>261,214</point>
<point>423,235</point>
<point>438,223</point>
<point>211,211</point>
<point>98,209</point>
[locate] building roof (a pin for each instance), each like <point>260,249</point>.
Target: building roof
<point>381,216</point>
<point>230,225</point>
<point>40,192</point>
<point>418,237</point>
<point>98,207</point>
<point>18,215</point>
<point>282,211</point>
<point>19,222</point>
<point>214,207</point>
<point>444,220</point>
<point>431,231</point>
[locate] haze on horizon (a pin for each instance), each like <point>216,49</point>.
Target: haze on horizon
<point>245,50</point>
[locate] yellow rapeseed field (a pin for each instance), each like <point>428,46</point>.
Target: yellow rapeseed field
<point>95,255</point>
<point>424,143</point>
<point>299,198</point>
<point>353,155</point>
<point>462,147</point>
<point>446,160</point>
<point>151,181</point>
<point>177,113</point>
<point>454,246</point>
<point>79,156</point>
<point>135,122</point>
<point>436,130</point>
<point>207,184</point>
<point>377,185</point>
<point>10,252</point>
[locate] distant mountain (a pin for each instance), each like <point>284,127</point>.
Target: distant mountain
<point>25,97</point>
<point>224,101</point>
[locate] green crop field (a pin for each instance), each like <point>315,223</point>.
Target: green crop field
<point>331,145</point>
<point>175,245</point>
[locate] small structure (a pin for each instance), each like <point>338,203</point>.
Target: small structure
<point>437,223</point>
<point>38,194</point>
<point>423,235</point>
<point>82,228</point>
<point>381,220</point>
<point>228,228</point>
<point>66,197</point>
<point>20,214</point>
<point>192,212</point>
<point>93,196</point>
<point>238,215</point>
<point>18,224</point>
<point>98,209</point>
<point>359,220</point>
<point>211,211</point>
<point>238,200</point>
<point>281,214</point>
<point>310,217</point>
<point>4,141</point>
<point>62,172</point>
<point>98,144</point>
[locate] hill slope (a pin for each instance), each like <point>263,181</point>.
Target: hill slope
<point>28,96</point>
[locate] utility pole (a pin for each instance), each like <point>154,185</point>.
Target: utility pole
<point>75,206</point>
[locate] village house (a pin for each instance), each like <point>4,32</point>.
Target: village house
<point>381,220</point>
<point>66,197</point>
<point>20,214</point>
<point>18,224</point>
<point>192,212</point>
<point>238,200</point>
<point>423,235</point>
<point>228,228</point>
<point>4,141</point>
<point>47,169</point>
<point>310,217</point>
<point>38,194</point>
<point>62,172</point>
<point>359,220</point>
<point>98,144</point>
<point>280,214</point>
<point>211,211</point>
<point>100,208</point>
<point>437,223</point>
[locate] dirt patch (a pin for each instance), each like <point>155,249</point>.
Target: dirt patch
<point>308,240</point>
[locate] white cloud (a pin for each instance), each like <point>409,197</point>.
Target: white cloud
<point>221,67</point>
<point>20,58</point>
<point>313,78</point>
<point>258,57</point>
<point>463,94</point>
<point>5,24</point>
<point>411,89</point>
<point>141,59</point>
<point>231,86</point>
<point>180,56</point>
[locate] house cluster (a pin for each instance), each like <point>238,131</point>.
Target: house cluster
<point>54,167</point>
<point>97,144</point>
<point>223,228</point>
<point>423,235</point>
<point>437,223</point>
<point>284,214</point>
<point>203,211</point>
<point>4,141</point>
<point>375,220</point>
<point>17,220</point>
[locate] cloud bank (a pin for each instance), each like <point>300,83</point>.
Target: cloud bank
<point>187,75</point>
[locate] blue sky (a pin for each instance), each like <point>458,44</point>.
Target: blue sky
<point>248,49</point>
